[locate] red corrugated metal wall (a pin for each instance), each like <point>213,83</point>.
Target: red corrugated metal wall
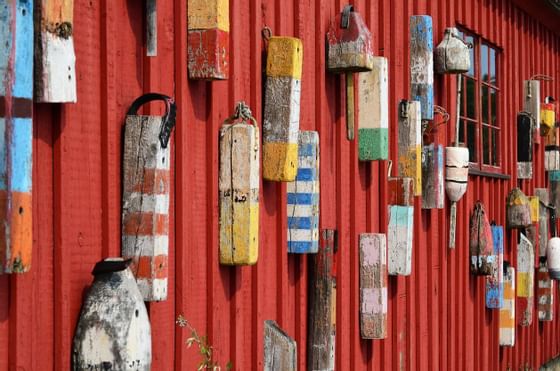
<point>437,317</point>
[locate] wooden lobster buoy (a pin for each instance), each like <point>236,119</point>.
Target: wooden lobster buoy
<point>208,39</point>
<point>239,188</point>
<point>545,293</point>
<point>532,103</point>
<point>422,64</point>
<point>399,240</point>
<point>373,286</point>
<point>554,186</point>
<point>145,205</point>
<point>16,94</point>
<point>553,250</point>
<point>456,180</point>
<point>432,177</point>
<point>548,116</point>
<point>495,282</point>
<point>452,54</point>
<point>507,312</point>
<point>525,280</point>
<point>373,112</point>
<point>303,197</point>
<point>542,194</point>
<point>281,108</point>
<point>518,211</point>
<point>552,157</point>
<point>349,50</point>
<point>410,144</point>
<point>55,72</point>
<point>280,350</point>
<point>401,191</point>
<point>113,332</point>
<point>525,129</point>
<point>481,243</point>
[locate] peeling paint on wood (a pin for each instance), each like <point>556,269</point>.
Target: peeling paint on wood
<point>422,64</point>
<point>525,280</point>
<point>373,286</point>
<point>321,338</point>
<point>399,240</point>
<point>401,191</point>
<point>507,312</point>
<point>452,54</point>
<point>113,332</point>
<point>280,350</point>
<point>534,206</point>
<point>554,186</point>
<point>410,141</point>
<point>151,28</point>
<point>16,133</point>
<point>548,118</point>
<point>552,157</point>
<point>525,129</point>
<point>495,282</point>
<point>282,108</point>
<point>542,194</point>
<point>545,293</point>
<point>239,193</point>
<point>433,195</point>
<point>303,197</point>
<point>532,103</point>
<point>208,39</point>
<point>456,180</point>
<point>373,112</point>
<point>481,246</point>
<point>518,210</point>
<point>55,60</point>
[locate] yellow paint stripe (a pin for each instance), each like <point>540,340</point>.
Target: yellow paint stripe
<point>524,285</point>
<point>285,57</point>
<point>280,161</point>
<point>534,204</point>
<point>208,15</point>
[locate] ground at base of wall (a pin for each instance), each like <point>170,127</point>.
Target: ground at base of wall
<point>552,365</point>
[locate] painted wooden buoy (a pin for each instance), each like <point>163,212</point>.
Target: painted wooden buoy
<point>525,280</point>
<point>495,282</point>
<point>552,157</point>
<point>507,312</point>
<point>518,211</point>
<point>321,339</point>
<point>399,240</point>
<point>554,187</point>
<point>542,194</point>
<point>481,246</point>
<point>16,94</point>
<point>208,39</point>
<point>553,258</point>
<point>525,129</point>
<point>113,332</point>
<point>238,187</point>
<point>456,180</point>
<point>55,71</point>
<point>145,198</point>
<point>433,195</point>
<point>303,197</point>
<point>452,54</point>
<point>548,116</point>
<point>373,112</point>
<point>401,191</point>
<point>281,108</point>
<point>532,102</point>
<point>280,350</point>
<point>545,293</point>
<point>422,64</point>
<point>373,286</point>
<point>349,50</point>
<point>534,207</point>
<point>410,143</point>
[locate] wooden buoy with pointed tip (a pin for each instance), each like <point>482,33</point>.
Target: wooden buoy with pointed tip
<point>481,244</point>
<point>456,180</point>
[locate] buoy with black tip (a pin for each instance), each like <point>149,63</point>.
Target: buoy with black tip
<point>553,249</point>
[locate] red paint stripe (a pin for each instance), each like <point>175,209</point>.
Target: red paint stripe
<point>146,224</point>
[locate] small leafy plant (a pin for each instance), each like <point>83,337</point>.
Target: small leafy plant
<point>206,350</point>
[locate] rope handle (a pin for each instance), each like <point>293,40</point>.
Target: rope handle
<point>541,77</point>
<point>168,120</point>
<point>242,112</point>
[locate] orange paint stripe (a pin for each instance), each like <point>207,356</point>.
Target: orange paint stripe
<point>154,182</point>
<point>151,267</point>
<point>21,231</point>
<point>58,11</point>
<point>143,224</point>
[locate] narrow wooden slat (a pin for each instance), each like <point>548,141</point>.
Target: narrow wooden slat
<point>409,151</point>
<point>507,312</point>
<point>495,282</point>
<point>151,28</point>
<point>545,293</point>
<point>399,240</point>
<point>524,146</point>
<point>543,196</point>
<point>532,102</point>
<point>525,280</point>
<point>422,64</point>
<point>280,351</point>
<point>433,195</point>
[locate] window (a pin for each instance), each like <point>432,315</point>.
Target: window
<point>479,126</point>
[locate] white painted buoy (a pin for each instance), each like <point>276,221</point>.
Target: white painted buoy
<point>456,180</point>
<point>553,258</point>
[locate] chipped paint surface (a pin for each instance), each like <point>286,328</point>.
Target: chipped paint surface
<point>456,172</point>
<point>545,294</point>
<point>548,117</point>
<point>145,207</point>
<point>401,191</point>
<point>285,57</point>
<point>399,240</point>
<point>525,280</point>
<point>113,332</point>
<point>532,100</point>
<point>554,186</point>
<point>303,197</point>
<point>239,194</point>
<point>481,245</point>
<point>373,112</point>
<point>280,350</point>
<point>534,206</point>
<point>208,54</point>
<point>422,64</point>
<point>373,286</point>
<point>542,194</point>
<point>452,54</point>
<point>507,312</point>
<point>410,151</point>
<point>495,282</point>
<point>208,15</point>
<point>551,158</point>
<point>433,195</point>
<point>518,210</point>
<point>16,136</point>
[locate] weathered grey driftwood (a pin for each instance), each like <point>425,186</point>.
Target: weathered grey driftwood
<point>280,350</point>
<point>433,195</point>
<point>542,194</point>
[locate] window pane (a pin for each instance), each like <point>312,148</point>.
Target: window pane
<point>484,98</point>
<point>471,99</point>
<point>471,141</point>
<point>486,145</point>
<point>484,62</point>
<point>470,40</point>
<point>495,145</point>
<point>492,79</point>
<point>494,106</point>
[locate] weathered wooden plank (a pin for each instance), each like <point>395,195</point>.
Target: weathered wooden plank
<point>507,312</point>
<point>113,331</point>
<point>208,39</point>
<point>16,131</point>
<point>525,280</point>
<point>532,103</point>
<point>239,193</point>
<point>373,286</point>
<point>410,151</point>
<point>481,246</point>
<point>525,128</point>
<point>495,282</point>
<point>518,211</point>
<point>373,112</point>
<point>151,28</point>
<point>303,197</point>
<point>433,195</point>
<point>552,157</point>
<point>280,350</point>
<point>452,53</point>
<point>401,191</point>
<point>554,186</point>
<point>399,240</point>
<point>456,180</point>
<point>422,64</point>
<point>542,194</point>
<point>282,108</point>
<point>55,70</point>
<point>545,293</point>
<point>321,338</point>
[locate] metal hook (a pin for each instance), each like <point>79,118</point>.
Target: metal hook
<point>345,19</point>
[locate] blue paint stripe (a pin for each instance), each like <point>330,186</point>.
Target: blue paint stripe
<point>303,198</point>
<point>23,84</point>
<point>2,154</point>
<point>307,150</point>
<point>302,247</point>
<point>21,154</point>
<point>498,238</point>
<point>494,296</point>
<point>426,100</point>
<point>402,215</point>
<point>302,222</point>
<point>423,32</point>
<point>306,174</point>
<point>554,175</point>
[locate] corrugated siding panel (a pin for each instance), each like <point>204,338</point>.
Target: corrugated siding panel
<point>437,317</point>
